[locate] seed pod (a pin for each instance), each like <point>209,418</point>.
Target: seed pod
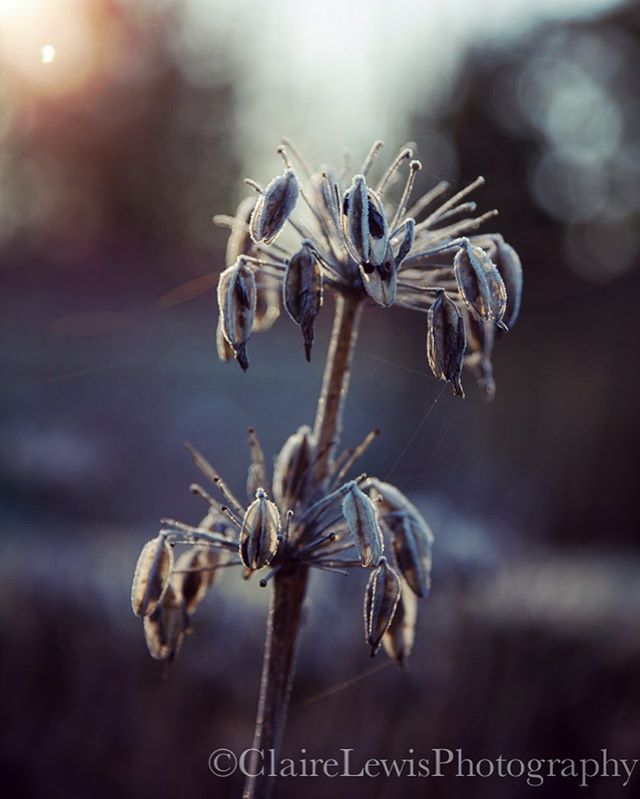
<point>302,291</point>
<point>510,268</point>
<point>239,241</point>
<point>165,628</point>
<point>325,187</point>
<point>446,341</point>
<point>259,533</point>
<point>273,208</point>
<point>151,576</point>
<point>193,575</point>
<point>292,467</point>
<point>378,233</point>
<point>380,602</point>
<point>403,240</point>
<point>360,516</point>
<point>480,284</point>
<point>237,303</point>
<point>399,638</point>
<point>380,282</point>
<point>411,536</point>
<point>355,220</point>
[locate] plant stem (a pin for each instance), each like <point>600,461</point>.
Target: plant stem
<point>289,584</point>
<point>278,668</point>
<point>328,424</point>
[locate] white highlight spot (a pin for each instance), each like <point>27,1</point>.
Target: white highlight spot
<point>47,53</point>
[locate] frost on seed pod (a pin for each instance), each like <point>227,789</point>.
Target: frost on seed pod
<point>411,536</point>
<point>509,266</point>
<point>273,208</point>
<point>237,303</point>
<point>165,628</point>
<point>361,519</point>
<point>193,575</point>
<point>259,533</point>
<point>398,639</point>
<point>481,287</point>
<point>151,576</point>
<point>446,341</point>
<point>380,602</point>
<point>355,220</point>
<point>302,291</point>
<point>292,468</point>
<point>380,281</point>
<point>402,240</point>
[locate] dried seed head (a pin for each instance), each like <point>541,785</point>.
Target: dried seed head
<point>380,281</point>
<point>239,242</point>
<point>151,576</point>
<point>361,519</point>
<point>411,536</point>
<point>193,575</point>
<point>237,303</point>
<point>273,208</point>
<point>302,291</point>
<point>481,287</point>
<point>402,240</point>
<point>399,638</point>
<point>380,602</point>
<point>292,468</point>
<point>165,628</point>
<point>446,341</point>
<point>259,533</point>
<point>510,268</point>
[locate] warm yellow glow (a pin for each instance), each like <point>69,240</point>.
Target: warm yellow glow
<point>47,53</point>
<point>26,24</point>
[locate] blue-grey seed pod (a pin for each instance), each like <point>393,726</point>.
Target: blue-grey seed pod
<point>402,240</point>
<point>355,210</point>
<point>510,268</point>
<point>446,341</point>
<point>237,304</point>
<point>380,282</point>
<point>151,577</point>
<point>292,468</point>
<point>380,602</point>
<point>273,207</point>
<point>361,519</point>
<point>259,532</point>
<point>166,627</point>
<point>399,638</point>
<point>378,232</point>
<point>479,282</point>
<point>411,536</point>
<point>302,291</point>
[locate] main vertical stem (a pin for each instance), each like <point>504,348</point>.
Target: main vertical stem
<point>289,585</point>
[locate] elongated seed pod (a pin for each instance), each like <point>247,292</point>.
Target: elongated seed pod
<point>398,639</point>
<point>273,208</point>
<point>403,240</point>
<point>259,533</point>
<point>292,468</point>
<point>166,627</point>
<point>302,291</point>
<point>380,602</point>
<point>237,303</point>
<point>355,220</point>
<point>378,232</point>
<point>481,287</point>
<point>411,536</point>
<point>151,577</point>
<point>446,341</point>
<point>360,516</point>
<point>380,281</point>
<point>510,268</point>
<point>193,575</point>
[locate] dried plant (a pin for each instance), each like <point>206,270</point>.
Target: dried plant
<point>308,514</point>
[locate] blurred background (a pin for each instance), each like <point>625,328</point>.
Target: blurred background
<point>124,125</point>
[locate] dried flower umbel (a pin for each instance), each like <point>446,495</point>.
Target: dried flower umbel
<point>309,514</point>
<point>355,239</point>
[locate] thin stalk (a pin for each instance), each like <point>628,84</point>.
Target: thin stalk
<point>278,669</point>
<point>289,583</point>
<point>328,424</point>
